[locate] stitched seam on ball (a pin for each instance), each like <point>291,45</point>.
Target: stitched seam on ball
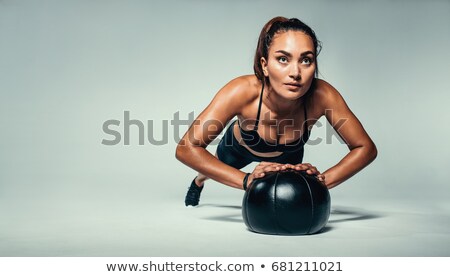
<point>275,203</point>
<point>312,203</point>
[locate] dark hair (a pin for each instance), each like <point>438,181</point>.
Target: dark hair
<point>276,25</point>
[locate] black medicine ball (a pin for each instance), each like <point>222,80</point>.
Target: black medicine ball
<point>286,203</point>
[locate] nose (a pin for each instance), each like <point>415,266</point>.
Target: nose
<point>294,72</point>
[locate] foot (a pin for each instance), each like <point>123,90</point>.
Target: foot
<point>193,194</point>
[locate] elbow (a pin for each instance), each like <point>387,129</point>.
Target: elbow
<point>184,152</point>
<point>372,152</point>
<point>368,151</point>
<point>180,153</point>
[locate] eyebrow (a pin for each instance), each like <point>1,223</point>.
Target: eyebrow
<point>289,54</point>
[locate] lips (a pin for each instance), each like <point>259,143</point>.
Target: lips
<point>293,85</point>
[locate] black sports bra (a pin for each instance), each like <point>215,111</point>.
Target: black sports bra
<point>255,142</point>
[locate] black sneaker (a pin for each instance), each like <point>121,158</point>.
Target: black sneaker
<point>193,195</point>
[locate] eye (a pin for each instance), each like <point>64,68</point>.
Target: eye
<point>282,59</point>
<point>307,61</point>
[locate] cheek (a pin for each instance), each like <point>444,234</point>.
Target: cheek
<point>276,72</point>
<point>311,70</point>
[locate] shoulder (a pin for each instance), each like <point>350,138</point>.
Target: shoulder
<point>245,86</point>
<point>235,96</point>
<point>326,96</point>
<point>241,90</point>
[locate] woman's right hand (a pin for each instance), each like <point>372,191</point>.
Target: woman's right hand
<point>265,167</point>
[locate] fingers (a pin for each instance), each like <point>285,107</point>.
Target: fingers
<point>321,178</point>
<point>310,169</point>
<point>253,176</point>
<point>264,167</point>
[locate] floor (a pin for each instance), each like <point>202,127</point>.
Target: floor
<point>81,224</point>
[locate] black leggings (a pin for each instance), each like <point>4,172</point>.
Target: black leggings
<point>229,151</point>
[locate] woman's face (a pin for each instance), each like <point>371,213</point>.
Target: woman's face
<point>291,64</point>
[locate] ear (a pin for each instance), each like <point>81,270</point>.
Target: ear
<point>264,66</point>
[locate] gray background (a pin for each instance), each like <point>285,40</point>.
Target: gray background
<point>66,67</point>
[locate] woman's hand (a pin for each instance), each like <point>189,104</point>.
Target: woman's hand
<point>265,167</point>
<point>311,170</point>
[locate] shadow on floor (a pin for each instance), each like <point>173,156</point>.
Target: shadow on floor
<point>338,214</point>
<point>220,206</point>
<point>343,214</point>
<point>233,217</point>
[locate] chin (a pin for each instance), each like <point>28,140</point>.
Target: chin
<point>292,94</point>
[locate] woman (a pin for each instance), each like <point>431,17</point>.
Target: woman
<point>275,109</point>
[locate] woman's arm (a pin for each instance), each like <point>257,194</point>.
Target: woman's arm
<point>362,149</point>
<point>191,149</point>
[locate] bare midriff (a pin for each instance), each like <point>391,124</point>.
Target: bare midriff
<point>237,135</point>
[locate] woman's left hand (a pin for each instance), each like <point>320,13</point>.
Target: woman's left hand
<point>311,170</point>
